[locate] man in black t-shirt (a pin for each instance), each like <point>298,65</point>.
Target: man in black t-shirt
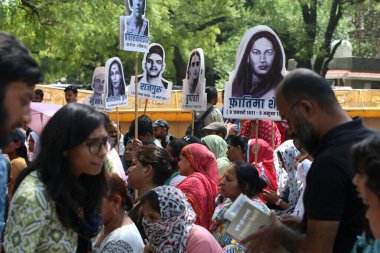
<point>334,215</point>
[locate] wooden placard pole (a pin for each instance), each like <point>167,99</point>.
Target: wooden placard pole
<point>272,132</point>
<point>118,132</point>
<point>193,123</point>
<point>146,104</point>
<point>257,142</point>
<point>136,95</point>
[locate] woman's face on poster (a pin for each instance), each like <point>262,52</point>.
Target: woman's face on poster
<point>98,84</point>
<point>115,73</point>
<point>261,57</point>
<point>195,67</point>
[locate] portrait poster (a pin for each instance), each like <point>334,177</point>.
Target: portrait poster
<point>151,84</point>
<point>259,68</point>
<point>98,87</point>
<point>115,87</point>
<point>194,84</point>
<point>134,28</point>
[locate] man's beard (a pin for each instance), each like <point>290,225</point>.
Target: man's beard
<point>3,119</point>
<point>306,134</point>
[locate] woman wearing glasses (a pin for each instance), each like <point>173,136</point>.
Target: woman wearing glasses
<point>56,204</point>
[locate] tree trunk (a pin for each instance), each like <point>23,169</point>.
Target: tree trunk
<point>180,66</point>
<point>335,15</point>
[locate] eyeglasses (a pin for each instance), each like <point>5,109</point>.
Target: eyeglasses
<point>285,122</point>
<point>95,145</point>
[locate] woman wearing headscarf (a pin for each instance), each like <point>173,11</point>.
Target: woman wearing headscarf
<point>264,131</point>
<point>199,166</point>
<point>169,224</point>
<point>33,146</point>
<point>218,146</point>
<point>289,187</point>
<point>260,64</point>
<point>151,167</point>
<point>264,162</point>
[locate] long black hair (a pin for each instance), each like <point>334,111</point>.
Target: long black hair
<point>68,128</point>
<point>176,146</point>
<point>242,83</point>
<point>110,83</point>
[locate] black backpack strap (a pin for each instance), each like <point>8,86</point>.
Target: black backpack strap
<point>209,110</point>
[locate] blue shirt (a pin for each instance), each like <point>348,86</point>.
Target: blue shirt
<point>3,190</point>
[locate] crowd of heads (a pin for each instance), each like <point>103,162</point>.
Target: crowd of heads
<point>172,182</point>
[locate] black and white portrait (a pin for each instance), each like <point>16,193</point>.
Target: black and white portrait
<point>136,22</point>
<point>260,64</point>
<point>116,89</point>
<point>98,82</point>
<point>259,68</point>
<point>154,66</point>
<point>115,80</point>
<point>151,84</point>
<point>195,81</point>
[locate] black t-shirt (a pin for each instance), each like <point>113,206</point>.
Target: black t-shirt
<point>330,194</point>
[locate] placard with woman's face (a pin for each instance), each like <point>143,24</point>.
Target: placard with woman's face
<point>193,92</point>
<point>116,90</point>
<point>259,68</point>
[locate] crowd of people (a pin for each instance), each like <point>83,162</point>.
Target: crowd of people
<point>79,188</point>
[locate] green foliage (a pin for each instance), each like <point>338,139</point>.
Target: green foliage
<point>70,38</point>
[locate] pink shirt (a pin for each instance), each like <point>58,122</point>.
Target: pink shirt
<point>114,156</point>
<point>202,241</point>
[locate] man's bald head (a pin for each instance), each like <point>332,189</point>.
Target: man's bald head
<point>306,84</point>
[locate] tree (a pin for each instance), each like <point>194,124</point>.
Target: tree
<point>70,38</point>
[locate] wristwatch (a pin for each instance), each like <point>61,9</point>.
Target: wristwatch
<point>278,202</point>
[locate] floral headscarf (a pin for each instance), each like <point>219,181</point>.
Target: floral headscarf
<point>172,233</point>
<point>37,145</point>
<point>288,152</point>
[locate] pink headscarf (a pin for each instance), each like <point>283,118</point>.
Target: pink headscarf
<point>202,160</point>
<point>201,186</point>
<point>266,159</point>
<point>265,132</point>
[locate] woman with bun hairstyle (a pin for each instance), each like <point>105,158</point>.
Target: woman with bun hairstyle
<point>240,177</point>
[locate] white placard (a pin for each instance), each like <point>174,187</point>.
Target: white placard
<point>195,82</point>
<point>259,68</point>
<point>151,85</point>
<point>116,90</point>
<point>134,29</point>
